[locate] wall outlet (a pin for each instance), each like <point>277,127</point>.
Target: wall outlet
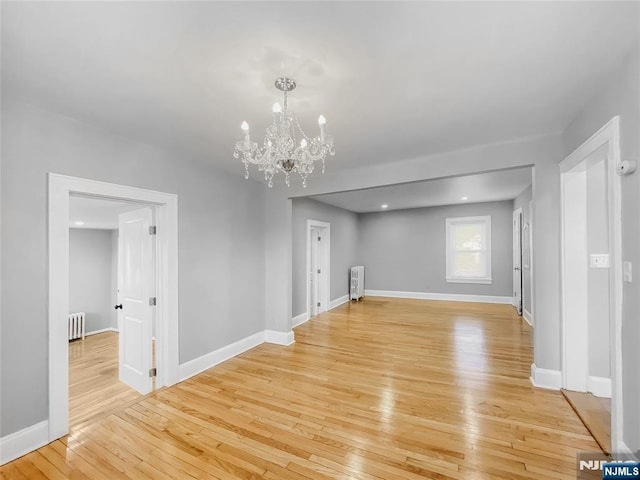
<point>599,260</point>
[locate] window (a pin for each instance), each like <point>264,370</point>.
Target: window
<point>469,249</point>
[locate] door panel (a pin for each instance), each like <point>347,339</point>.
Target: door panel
<point>314,298</point>
<point>135,287</point>
<point>517,260</point>
<point>319,280</point>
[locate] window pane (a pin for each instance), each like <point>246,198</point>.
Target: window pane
<point>469,236</point>
<point>469,264</point>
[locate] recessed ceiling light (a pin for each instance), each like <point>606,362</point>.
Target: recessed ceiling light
<point>464,198</point>
<point>79,223</point>
<point>384,206</point>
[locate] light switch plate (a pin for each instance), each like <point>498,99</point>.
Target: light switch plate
<point>599,260</point>
<point>627,272</point>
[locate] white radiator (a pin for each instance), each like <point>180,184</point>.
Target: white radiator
<point>357,283</point>
<point>76,325</point>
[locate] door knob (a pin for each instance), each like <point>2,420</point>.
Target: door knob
<point>118,307</point>
<point>516,268</point>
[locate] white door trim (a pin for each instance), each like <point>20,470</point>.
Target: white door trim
<point>60,187</point>
<point>326,264</point>
<point>531,271</point>
<point>575,274</point>
<point>608,137</point>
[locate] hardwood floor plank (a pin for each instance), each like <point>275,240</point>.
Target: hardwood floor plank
<point>47,468</point>
<point>595,414</point>
<point>12,472</point>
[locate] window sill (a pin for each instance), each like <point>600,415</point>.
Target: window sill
<point>485,281</point>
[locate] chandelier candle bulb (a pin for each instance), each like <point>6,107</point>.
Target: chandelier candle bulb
<point>322,122</point>
<point>277,113</point>
<point>245,129</point>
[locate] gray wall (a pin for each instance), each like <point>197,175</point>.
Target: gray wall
<point>91,276</point>
<point>620,95</point>
<point>522,201</point>
<point>221,242</point>
<point>546,256</point>
<point>344,248</point>
<point>404,250</point>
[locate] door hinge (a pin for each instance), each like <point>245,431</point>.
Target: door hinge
<point>318,304</point>
<point>153,372</point>
<point>152,301</point>
<point>152,230</point>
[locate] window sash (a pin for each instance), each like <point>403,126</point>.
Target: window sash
<point>453,273</point>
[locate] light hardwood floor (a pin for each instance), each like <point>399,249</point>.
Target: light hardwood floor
<point>381,389</point>
<point>595,413</point>
<point>94,388</point>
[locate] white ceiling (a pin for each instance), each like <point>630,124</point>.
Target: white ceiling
<point>485,187</point>
<point>97,213</point>
<point>395,80</point>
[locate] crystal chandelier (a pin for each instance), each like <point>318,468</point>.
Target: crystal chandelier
<point>286,147</point>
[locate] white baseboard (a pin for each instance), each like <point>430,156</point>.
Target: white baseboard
<point>102,330</point>
<point>527,317</point>
<point>623,452</point>
<point>452,297</point>
<point>211,359</point>
<point>338,301</point>
<point>544,378</point>
<point>599,386</point>
<point>304,317</point>
<point>279,338</point>
<point>299,319</point>
<point>24,441</point>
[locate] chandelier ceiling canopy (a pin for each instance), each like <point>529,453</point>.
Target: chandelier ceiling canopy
<point>286,148</point>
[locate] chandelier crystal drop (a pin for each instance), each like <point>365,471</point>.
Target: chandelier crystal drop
<point>286,147</point>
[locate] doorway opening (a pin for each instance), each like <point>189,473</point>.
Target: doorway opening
<point>517,260</point>
<point>318,266</point>
<point>102,256</point>
<point>61,188</point>
<point>591,275</point>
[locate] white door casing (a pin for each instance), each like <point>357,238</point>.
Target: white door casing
<point>575,274</point>
<point>604,144</point>
<point>318,259</point>
<point>60,187</point>
<point>135,289</point>
<point>314,287</point>
<point>517,260</point>
<point>531,271</point>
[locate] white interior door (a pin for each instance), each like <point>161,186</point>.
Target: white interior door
<point>517,260</point>
<point>314,276</point>
<point>135,288</point>
<point>320,271</point>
